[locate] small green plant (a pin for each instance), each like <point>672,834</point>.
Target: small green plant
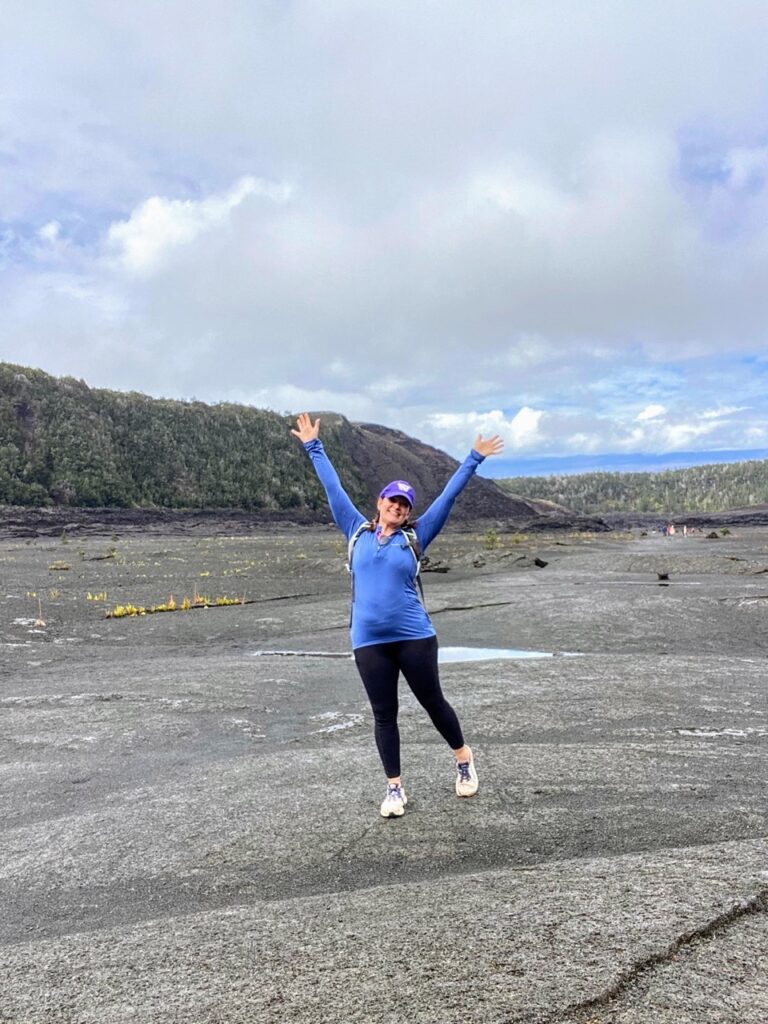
<point>120,611</point>
<point>724,532</point>
<point>490,539</point>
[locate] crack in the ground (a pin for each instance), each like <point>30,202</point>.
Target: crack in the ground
<point>470,607</point>
<point>432,612</point>
<point>354,842</point>
<point>582,1012</point>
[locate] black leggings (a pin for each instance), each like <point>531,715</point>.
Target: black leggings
<point>379,666</point>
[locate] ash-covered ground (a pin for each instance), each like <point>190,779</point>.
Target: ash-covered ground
<point>190,827</point>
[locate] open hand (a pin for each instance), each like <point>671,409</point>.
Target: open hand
<point>308,430</point>
<point>490,446</point>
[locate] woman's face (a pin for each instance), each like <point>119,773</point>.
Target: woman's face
<point>392,511</point>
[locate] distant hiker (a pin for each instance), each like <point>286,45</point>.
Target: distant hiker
<point>390,628</point>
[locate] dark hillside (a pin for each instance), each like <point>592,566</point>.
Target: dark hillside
<point>380,454</point>
<point>65,445</point>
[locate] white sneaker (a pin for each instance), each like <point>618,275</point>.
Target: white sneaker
<point>393,804</point>
<point>466,777</point>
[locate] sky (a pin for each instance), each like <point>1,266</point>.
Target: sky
<point>547,220</point>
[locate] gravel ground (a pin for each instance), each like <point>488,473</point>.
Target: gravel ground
<point>189,800</point>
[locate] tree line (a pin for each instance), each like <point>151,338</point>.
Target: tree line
<point>64,443</point>
<point>710,488</point>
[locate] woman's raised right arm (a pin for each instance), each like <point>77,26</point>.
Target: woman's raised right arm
<point>344,513</point>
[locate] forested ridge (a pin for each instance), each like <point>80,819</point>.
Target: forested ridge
<point>709,488</point>
<point>64,443</point>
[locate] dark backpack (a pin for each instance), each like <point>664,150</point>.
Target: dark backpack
<point>411,540</point>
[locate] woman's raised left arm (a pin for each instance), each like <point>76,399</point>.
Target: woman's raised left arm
<point>344,513</point>
<point>432,521</point>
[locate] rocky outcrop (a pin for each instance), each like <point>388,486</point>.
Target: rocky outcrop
<point>16,521</point>
<point>756,515</point>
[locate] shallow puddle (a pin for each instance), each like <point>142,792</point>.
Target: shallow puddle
<point>448,654</point>
<point>298,654</point>
<point>738,733</point>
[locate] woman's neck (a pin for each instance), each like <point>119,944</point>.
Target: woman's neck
<point>387,531</point>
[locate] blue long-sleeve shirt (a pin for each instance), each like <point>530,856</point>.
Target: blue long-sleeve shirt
<point>385,605</point>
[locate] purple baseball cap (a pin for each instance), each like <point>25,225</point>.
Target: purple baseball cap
<point>399,489</point>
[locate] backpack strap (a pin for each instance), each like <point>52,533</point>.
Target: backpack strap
<point>362,528</point>
<point>413,543</point>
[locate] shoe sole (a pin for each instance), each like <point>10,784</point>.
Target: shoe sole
<point>464,796</point>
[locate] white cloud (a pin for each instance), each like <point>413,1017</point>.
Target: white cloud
<point>660,432</point>
<point>681,435</point>
<point>746,166</point>
<point>524,428</point>
<point>454,431</point>
<point>160,225</point>
<point>650,412</point>
<point>523,193</point>
<point>583,443</point>
<point>484,214</point>
<point>722,412</point>
<point>49,232</point>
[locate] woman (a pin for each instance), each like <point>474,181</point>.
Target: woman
<point>390,629</point>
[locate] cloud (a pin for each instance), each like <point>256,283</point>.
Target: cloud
<point>747,166</point>
<point>50,232</point>
<point>655,429</point>
<point>550,224</point>
<point>723,411</point>
<point>160,225</point>
<point>454,431</point>
<point>650,412</point>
